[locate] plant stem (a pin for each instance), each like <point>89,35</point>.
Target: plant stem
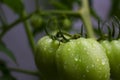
<point>85,15</point>
<point>75,14</point>
<point>13,24</point>
<point>28,32</point>
<point>35,73</point>
<point>60,12</point>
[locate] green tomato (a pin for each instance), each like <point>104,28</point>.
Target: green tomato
<point>36,21</point>
<point>77,59</point>
<point>113,52</point>
<point>45,58</point>
<point>82,59</point>
<point>66,24</point>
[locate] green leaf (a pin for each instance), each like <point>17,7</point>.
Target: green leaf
<point>5,50</point>
<point>68,3</point>
<point>59,5</point>
<point>6,73</point>
<point>16,5</point>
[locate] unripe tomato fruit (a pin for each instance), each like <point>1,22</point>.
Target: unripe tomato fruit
<point>82,59</point>
<point>45,57</point>
<point>36,21</point>
<point>77,59</point>
<point>113,53</point>
<point>66,24</point>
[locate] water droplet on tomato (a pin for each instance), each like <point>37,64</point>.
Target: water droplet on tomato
<point>98,60</point>
<point>76,59</point>
<point>103,62</point>
<point>49,40</point>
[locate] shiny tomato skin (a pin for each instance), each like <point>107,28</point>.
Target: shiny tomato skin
<point>113,53</point>
<point>45,58</point>
<point>82,59</point>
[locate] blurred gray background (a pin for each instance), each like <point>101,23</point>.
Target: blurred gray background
<point>16,39</point>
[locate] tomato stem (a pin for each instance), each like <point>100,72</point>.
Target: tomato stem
<point>10,26</point>
<point>85,15</point>
<point>82,30</point>
<point>29,33</point>
<point>48,12</point>
<point>60,12</point>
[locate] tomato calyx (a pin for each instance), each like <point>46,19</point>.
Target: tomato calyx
<point>59,36</point>
<point>64,37</point>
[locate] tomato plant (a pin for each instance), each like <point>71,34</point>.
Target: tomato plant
<point>61,56</point>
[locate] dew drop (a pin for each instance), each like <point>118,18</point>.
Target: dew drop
<point>103,62</point>
<point>49,40</point>
<point>98,60</point>
<point>76,59</point>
